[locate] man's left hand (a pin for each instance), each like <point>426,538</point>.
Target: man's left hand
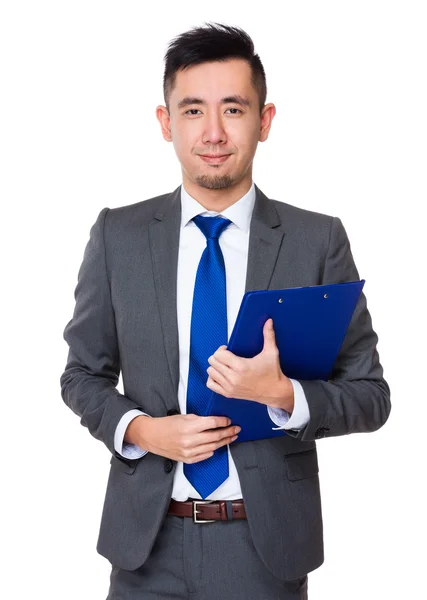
<point>259,379</point>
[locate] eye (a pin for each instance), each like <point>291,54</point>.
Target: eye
<point>193,111</point>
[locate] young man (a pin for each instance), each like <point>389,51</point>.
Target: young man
<point>157,297</point>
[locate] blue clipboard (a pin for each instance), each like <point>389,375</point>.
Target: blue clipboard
<point>310,325</point>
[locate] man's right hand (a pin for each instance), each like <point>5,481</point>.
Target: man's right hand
<point>187,438</point>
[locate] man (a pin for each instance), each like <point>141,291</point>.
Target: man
<point>157,297</point>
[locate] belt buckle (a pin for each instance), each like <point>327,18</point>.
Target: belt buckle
<point>195,511</point>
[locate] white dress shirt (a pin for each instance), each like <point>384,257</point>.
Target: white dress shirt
<point>234,243</point>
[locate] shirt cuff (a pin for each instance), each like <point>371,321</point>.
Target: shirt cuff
<point>300,415</point>
<point>123,448</point>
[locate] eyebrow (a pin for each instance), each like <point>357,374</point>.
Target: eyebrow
<point>227,100</point>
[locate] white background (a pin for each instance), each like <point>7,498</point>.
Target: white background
<point>80,84</point>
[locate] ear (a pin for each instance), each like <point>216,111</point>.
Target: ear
<point>267,115</point>
<point>163,117</point>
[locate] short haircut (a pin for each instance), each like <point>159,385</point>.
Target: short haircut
<point>216,42</point>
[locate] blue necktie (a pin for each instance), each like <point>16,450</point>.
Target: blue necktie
<point>208,333</point>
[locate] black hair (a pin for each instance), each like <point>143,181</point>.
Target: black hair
<point>214,42</point>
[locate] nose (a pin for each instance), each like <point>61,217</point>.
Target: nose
<point>214,132</point>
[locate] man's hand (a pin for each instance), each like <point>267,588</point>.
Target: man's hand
<point>187,438</point>
<point>259,378</point>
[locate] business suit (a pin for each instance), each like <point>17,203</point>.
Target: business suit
<point>234,245</point>
<point>125,317</point>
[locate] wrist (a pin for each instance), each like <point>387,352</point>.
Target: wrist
<point>284,395</point>
<point>137,432</point>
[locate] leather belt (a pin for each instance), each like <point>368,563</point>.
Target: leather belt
<point>208,511</point>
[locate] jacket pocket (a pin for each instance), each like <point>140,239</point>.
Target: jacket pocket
<point>302,465</point>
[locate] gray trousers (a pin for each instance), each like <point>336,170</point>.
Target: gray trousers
<point>210,561</point>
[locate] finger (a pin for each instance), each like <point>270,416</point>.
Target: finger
<point>198,457</point>
<point>211,447</point>
<point>215,436</point>
<point>215,387</point>
<point>227,358</point>
<point>225,441</point>
<point>212,422</point>
<point>220,367</point>
<point>218,375</point>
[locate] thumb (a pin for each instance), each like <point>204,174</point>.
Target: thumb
<point>269,337</point>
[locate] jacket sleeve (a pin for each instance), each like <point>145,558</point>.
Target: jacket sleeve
<point>88,383</point>
<point>356,398</point>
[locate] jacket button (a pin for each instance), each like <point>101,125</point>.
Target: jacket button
<point>168,466</point>
<point>173,411</point>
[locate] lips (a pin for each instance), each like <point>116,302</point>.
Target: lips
<point>214,158</point>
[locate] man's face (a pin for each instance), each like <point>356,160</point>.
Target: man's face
<point>214,110</point>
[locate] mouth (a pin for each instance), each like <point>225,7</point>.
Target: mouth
<point>214,159</point>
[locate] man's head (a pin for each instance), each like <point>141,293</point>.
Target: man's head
<point>215,90</point>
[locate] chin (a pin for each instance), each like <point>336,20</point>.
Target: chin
<point>215,182</point>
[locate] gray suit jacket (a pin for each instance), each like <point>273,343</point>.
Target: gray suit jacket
<point>125,319</point>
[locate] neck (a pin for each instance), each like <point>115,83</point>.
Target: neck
<point>217,200</point>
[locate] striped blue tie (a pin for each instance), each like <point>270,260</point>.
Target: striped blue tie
<point>208,333</point>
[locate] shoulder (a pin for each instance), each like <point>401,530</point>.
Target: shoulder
<point>303,216</point>
<point>306,225</point>
<point>140,213</point>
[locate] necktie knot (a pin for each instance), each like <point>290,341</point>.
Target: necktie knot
<point>211,227</point>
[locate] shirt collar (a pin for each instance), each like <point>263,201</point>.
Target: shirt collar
<point>239,213</point>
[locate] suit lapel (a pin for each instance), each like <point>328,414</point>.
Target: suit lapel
<point>164,232</point>
<point>265,240</point>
